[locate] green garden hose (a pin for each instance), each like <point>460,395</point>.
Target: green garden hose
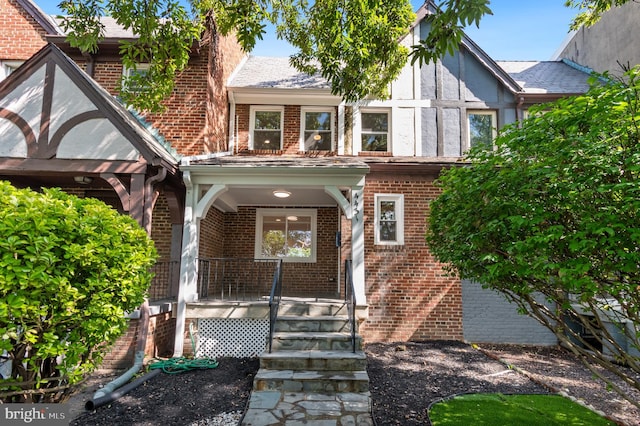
<point>182,364</point>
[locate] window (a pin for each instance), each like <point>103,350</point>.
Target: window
<point>374,131</point>
<point>7,67</point>
<point>135,78</point>
<point>482,127</point>
<point>317,130</point>
<point>389,219</point>
<point>286,234</point>
<point>266,128</point>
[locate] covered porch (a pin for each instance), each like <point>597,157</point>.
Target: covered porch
<point>244,214</point>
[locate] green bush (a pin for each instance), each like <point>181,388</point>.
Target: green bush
<point>70,269</point>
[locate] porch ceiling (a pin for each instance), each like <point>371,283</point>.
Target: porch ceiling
<point>252,180</point>
<point>263,196</point>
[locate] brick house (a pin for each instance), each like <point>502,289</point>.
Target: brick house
<point>270,165</point>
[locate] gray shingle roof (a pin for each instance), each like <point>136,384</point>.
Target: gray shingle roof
<point>535,77</point>
<point>274,73</point>
<point>111,28</point>
<point>546,76</point>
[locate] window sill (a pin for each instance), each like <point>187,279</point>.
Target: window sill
<point>374,154</point>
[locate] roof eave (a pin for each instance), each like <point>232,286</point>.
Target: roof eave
<point>282,96</point>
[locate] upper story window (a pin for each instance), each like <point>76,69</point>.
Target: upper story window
<point>374,131</point>
<point>482,127</point>
<point>266,128</point>
<point>7,67</point>
<point>135,78</point>
<point>316,129</point>
<point>389,219</point>
<point>288,234</point>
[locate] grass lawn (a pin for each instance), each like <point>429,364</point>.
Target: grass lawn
<point>503,410</point>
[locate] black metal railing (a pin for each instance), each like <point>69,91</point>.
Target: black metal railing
<point>165,281</point>
<point>274,301</point>
<point>234,278</point>
<point>350,300</point>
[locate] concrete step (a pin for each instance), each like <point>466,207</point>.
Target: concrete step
<point>314,360</point>
<point>312,309</point>
<point>321,341</point>
<point>296,323</point>
<point>311,381</point>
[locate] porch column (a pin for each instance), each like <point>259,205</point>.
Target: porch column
<point>188,289</point>
<point>357,243</point>
<point>195,209</point>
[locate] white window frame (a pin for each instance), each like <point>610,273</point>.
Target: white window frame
<point>494,122</point>
<point>7,67</point>
<point>389,133</point>
<point>128,72</point>
<point>252,122</point>
<point>312,213</point>
<point>398,199</point>
<point>303,125</point>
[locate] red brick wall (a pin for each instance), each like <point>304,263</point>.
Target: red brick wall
<point>107,75</point>
<point>160,338</point>
<point>161,335</point>
<point>122,354</point>
<point>409,296</point>
<point>222,62</point>
<point>187,123</point>
<point>20,35</point>
<point>212,234</point>
<point>161,229</point>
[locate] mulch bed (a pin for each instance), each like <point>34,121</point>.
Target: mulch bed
<point>405,380</point>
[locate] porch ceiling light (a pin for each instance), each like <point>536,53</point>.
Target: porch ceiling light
<point>281,193</point>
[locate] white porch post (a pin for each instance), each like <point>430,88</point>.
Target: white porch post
<point>188,290</point>
<point>357,244</point>
<point>195,209</point>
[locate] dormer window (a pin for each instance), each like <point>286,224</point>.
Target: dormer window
<point>316,129</point>
<point>374,133</point>
<point>266,128</point>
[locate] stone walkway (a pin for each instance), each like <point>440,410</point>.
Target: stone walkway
<point>268,408</point>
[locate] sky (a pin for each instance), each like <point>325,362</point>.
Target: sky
<point>517,30</point>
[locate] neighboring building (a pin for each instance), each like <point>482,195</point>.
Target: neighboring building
<point>61,126</point>
<point>609,44</point>
<point>356,181</point>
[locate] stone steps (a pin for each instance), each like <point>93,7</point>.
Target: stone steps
<point>322,341</point>
<point>302,360</point>
<point>322,323</point>
<point>311,381</point>
<point>312,362</point>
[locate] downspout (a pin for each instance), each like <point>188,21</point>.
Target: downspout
<point>108,392</point>
<point>519,112</point>
<point>91,64</point>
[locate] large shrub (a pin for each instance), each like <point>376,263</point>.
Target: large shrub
<point>70,269</point>
<point>554,209</point>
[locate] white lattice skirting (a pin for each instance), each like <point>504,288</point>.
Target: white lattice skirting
<point>232,337</point>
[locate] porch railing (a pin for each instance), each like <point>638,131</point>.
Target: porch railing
<point>235,278</point>
<point>274,301</point>
<point>350,301</point>
<point>165,281</point>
